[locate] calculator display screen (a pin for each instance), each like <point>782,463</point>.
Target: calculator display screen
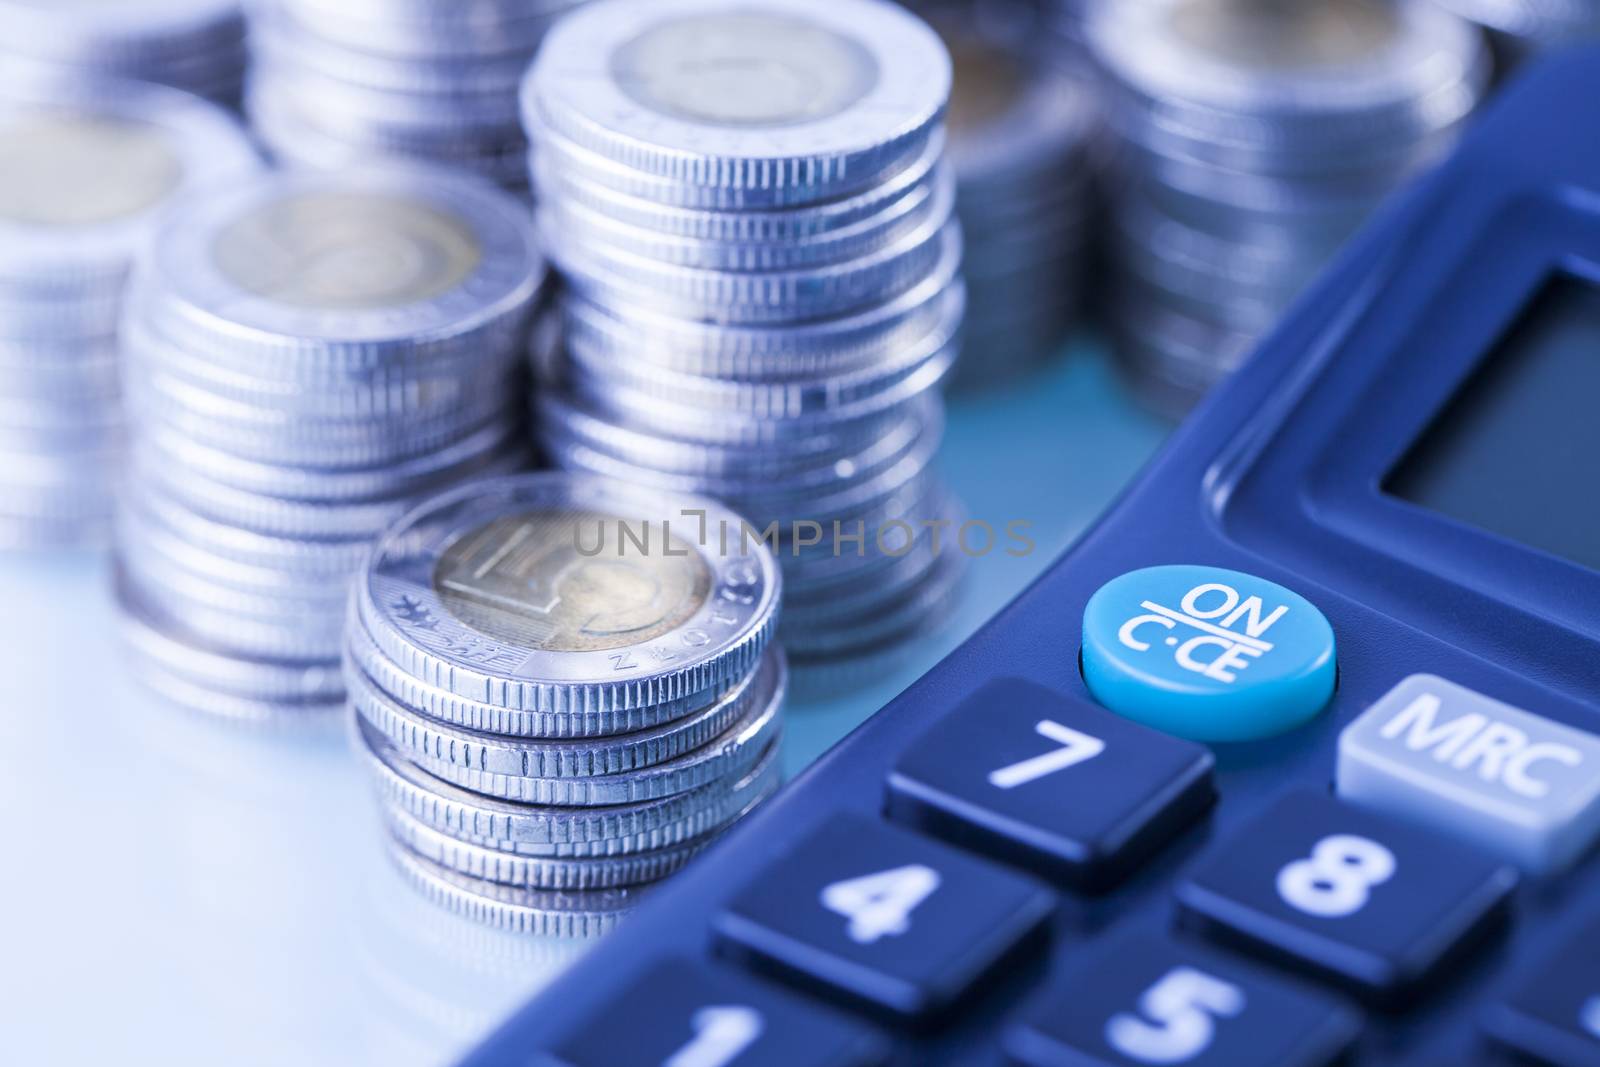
<point>1517,450</point>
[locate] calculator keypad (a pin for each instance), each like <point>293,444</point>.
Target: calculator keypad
<point>682,1013</point>
<point>1145,999</point>
<point>1553,1014</point>
<point>1367,900</point>
<point>888,918</point>
<point>1522,786</point>
<point>1050,782</point>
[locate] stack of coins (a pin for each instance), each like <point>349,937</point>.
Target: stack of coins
<point>308,355</point>
<point>1020,127</point>
<point>1520,28</point>
<point>1253,138</point>
<point>749,207</point>
<point>337,81</point>
<point>565,688</point>
<point>197,45</point>
<point>83,179</point>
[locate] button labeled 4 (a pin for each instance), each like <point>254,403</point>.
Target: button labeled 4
<point>883,916</point>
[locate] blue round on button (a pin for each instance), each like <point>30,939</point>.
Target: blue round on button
<point>1206,653</point>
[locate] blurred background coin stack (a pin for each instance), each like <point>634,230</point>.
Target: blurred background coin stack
<point>1021,122</point>
<point>83,180</point>
<point>1254,136</point>
<point>1521,28</point>
<point>341,81</point>
<point>565,691</point>
<point>747,202</point>
<point>197,45</point>
<point>308,354</point>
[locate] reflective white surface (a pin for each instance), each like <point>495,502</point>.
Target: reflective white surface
<point>178,891</point>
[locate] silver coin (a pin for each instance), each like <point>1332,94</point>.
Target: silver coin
<point>567,219</point>
<point>730,756</point>
<point>430,742</point>
<point>560,168</point>
<point>65,227</point>
<point>927,607</point>
<point>489,592</point>
<point>537,872</point>
<point>447,707</point>
<point>310,520</point>
<point>798,100</point>
<point>294,134</point>
<point>617,276</point>
<point>99,31</point>
<point>886,382</point>
<point>187,657</point>
<point>427,30</point>
<point>537,912</point>
<point>761,353</point>
<point>346,268</point>
<point>1331,81</point>
<point>559,831</point>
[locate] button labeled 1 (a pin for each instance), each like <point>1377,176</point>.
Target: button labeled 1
<point>1524,787</point>
<point>883,916</point>
<point>1147,1000</point>
<point>1206,653</point>
<point>1050,782</point>
<point>683,1013</point>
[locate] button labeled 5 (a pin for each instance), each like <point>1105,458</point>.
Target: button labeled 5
<point>1143,999</point>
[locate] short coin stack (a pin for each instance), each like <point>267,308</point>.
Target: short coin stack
<point>1253,139</point>
<point>565,688</point>
<point>748,204</point>
<point>83,179</point>
<point>1523,27</point>
<point>309,354</point>
<point>1021,125</point>
<point>197,45</point>
<point>340,81</point>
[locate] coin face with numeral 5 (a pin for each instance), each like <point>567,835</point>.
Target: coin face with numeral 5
<point>555,592</point>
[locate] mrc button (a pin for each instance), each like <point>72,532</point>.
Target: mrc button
<point>1520,785</point>
<point>1206,653</point>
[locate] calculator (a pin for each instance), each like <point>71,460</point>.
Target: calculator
<point>1293,760</point>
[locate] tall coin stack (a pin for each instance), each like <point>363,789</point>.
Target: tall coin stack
<point>197,45</point>
<point>748,204</point>
<point>341,81</point>
<point>1021,125</point>
<point>565,688</point>
<point>309,354</point>
<point>1520,28</point>
<point>1253,139</point>
<point>83,179</point>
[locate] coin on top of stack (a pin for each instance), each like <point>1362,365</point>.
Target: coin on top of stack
<point>1522,28</point>
<point>309,354</point>
<point>1253,139</point>
<point>84,177</point>
<point>341,81</point>
<point>565,687</point>
<point>748,202</point>
<point>195,45</point>
<point>1021,126</point>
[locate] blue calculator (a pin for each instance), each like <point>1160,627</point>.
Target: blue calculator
<point>1294,760</point>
